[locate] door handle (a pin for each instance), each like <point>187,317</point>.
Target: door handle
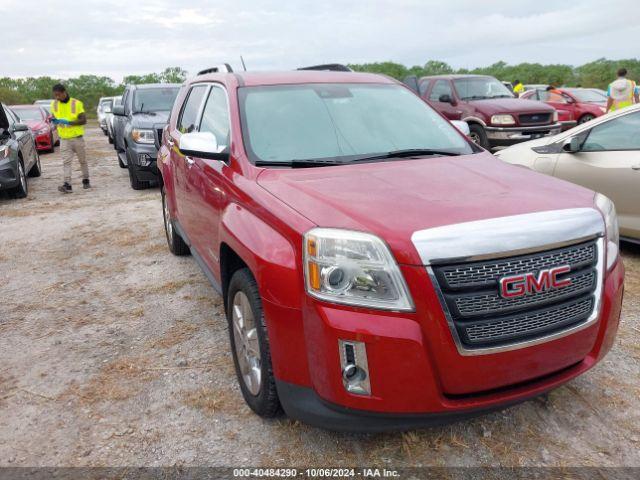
<point>635,167</point>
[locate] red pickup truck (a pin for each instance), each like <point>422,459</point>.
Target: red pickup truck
<point>495,117</point>
<point>379,270</point>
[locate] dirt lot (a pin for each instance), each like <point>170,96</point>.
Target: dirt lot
<point>113,352</point>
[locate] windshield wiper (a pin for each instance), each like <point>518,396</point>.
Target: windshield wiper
<point>298,163</point>
<point>407,153</point>
<point>476,97</point>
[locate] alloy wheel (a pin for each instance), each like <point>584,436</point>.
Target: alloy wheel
<point>247,345</point>
<point>168,225</point>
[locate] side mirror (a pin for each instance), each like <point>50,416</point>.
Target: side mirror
<point>20,127</point>
<point>445,98</point>
<point>118,110</point>
<point>202,145</point>
<point>572,145</point>
<point>462,126</point>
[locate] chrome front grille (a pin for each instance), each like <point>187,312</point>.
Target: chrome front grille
<point>486,273</point>
<point>514,327</point>
<point>483,319</point>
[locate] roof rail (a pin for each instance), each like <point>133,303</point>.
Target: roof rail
<point>222,68</point>
<point>332,67</point>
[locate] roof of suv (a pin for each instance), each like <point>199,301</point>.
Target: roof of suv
<point>252,79</point>
<point>142,86</point>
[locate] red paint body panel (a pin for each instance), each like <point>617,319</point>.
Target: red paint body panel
<point>262,215</point>
<point>573,111</point>
<point>49,137</point>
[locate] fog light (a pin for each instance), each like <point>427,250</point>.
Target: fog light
<point>144,160</point>
<point>354,367</point>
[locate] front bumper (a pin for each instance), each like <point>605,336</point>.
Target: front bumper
<point>8,174</point>
<point>43,142</point>
<point>409,388</point>
<point>143,160</point>
<point>505,136</point>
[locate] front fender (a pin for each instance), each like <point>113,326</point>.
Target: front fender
<point>270,256</point>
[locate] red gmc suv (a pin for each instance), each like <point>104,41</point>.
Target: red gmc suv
<point>379,270</point>
<point>495,117</point>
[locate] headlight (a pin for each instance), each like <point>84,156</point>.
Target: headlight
<point>141,135</point>
<point>611,222</point>
<point>555,116</point>
<point>503,120</point>
<point>353,268</point>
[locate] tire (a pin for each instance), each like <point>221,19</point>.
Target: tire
<point>53,147</point>
<point>57,142</point>
<point>587,117</point>
<point>36,170</point>
<point>248,331</point>
<point>176,243</point>
<point>133,177</point>
<point>478,135</point>
<point>22,189</point>
<point>122,165</point>
<point>110,139</point>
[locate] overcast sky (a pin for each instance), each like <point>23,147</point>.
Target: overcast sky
<point>120,37</point>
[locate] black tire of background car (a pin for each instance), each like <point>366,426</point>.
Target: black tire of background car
<point>22,189</point>
<point>585,118</point>
<point>53,147</point>
<point>110,139</point>
<point>478,135</point>
<point>36,170</point>
<point>176,244</point>
<point>57,142</point>
<point>122,165</point>
<point>266,403</point>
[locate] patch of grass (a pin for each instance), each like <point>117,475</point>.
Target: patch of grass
<point>178,333</point>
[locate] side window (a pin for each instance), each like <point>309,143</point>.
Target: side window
<point>441,87</point>
<point>215,117</point>
<point>10,116</point>
<point>423,87</point>
<point>188,120</point>
<point>125,96</point>
<point>622,133</point>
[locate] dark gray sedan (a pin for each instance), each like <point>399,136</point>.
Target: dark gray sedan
<point>18,155</point>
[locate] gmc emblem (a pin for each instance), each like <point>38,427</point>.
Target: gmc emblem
<point>528,283</point>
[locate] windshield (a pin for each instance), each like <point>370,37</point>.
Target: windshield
<point>29,113</point>
<point>479,88</point>
<point>154,99</point>
<point>341,122</point>
<point>585,95</point>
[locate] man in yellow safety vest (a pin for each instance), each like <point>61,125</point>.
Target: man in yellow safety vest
<point>68,115</point>
<point>518,87</point>
<point>621,92</point>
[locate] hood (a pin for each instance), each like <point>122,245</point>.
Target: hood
<point>148,120</point>
<point>397,198</point>
<point>35,125</point>
<point>510,105</point>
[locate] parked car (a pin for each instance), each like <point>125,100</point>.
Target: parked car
<point>577,105</point>
<point>109,119</point>
<point>18,154</point>
<point>603,155</point>
<point>535,86</point>
<point>378,269</point>
<point>495,116</point>
<point>46,104</point>
<point>44,132</point>
<point>104,107</point>
<point>138,124</point>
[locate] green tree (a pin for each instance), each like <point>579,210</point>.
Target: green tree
<point>11,96</point>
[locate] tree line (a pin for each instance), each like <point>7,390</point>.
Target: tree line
<point>597,74</point>
<point>89,88</point>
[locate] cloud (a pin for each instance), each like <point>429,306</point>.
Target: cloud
<point>120,37</point>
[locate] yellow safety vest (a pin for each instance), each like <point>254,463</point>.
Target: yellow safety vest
<point>628,101</point>
<point>68,111</point>
<point>518,88</point>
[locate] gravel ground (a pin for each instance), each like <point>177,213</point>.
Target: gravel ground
<point>113,352</point>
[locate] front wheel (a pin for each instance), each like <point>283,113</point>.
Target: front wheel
<point>250,345</point>
<point>586,118</point>
<point>22,189</point>
<point>478,135</point>
<point>36,170</point>
<point>177,245</point>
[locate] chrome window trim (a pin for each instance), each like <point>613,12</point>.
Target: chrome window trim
<point>537,232</point>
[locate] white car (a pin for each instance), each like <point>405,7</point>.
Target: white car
<point>603,155</point>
